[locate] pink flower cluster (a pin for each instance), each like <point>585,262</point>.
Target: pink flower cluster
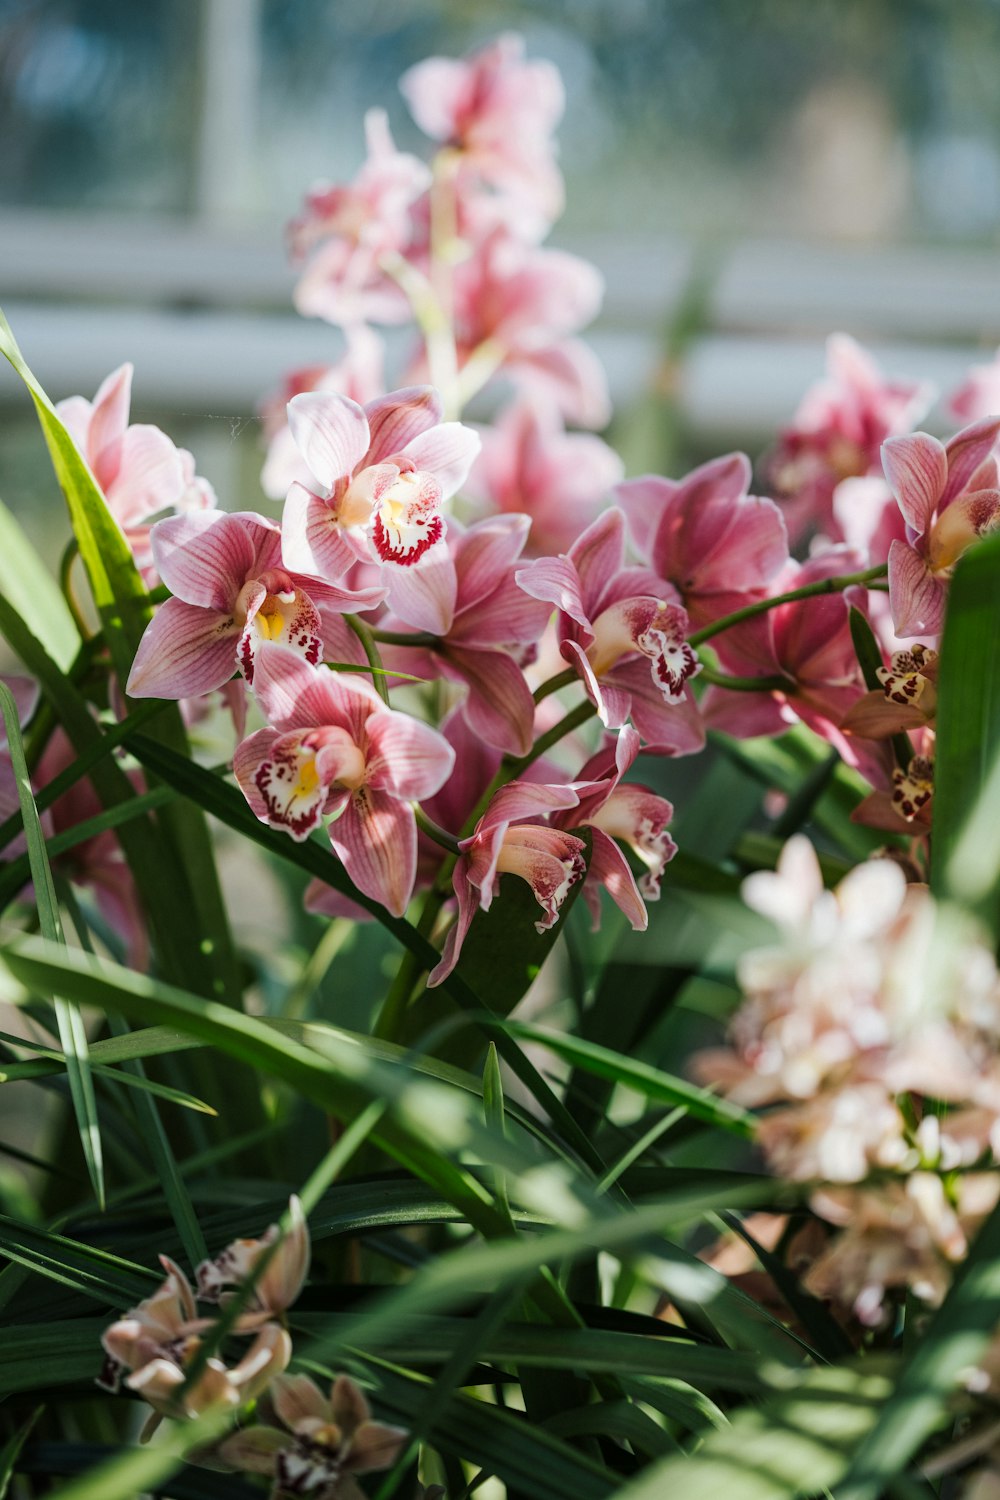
<point>869,1037</point>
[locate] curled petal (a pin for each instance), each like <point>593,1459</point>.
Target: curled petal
<point>468,898</point>
<point>556,581</point>
<point>610,868</point>
<point>550,860</point>
<point>967,452</point>
<point>185,652</point>
<point>289,617</point>
<point>522,799</point>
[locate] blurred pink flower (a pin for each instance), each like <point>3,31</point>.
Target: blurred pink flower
<point>718,545</point>
<point>979,394</point>
<point>838,429</point>
<point>349,233</point>
<point>530,464</point>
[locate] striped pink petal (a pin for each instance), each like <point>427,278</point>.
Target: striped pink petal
<point>331,432</point>
<point>376,838</point>
<point>186,651</point>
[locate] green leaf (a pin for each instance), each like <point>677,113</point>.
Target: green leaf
<point>966,857</point>
<point>31,589</point>
<point>641,1077</point>
<point>11,1451</point>
<point>72,1032</point>
<point>110,1279</point>
<point>797,1444</point>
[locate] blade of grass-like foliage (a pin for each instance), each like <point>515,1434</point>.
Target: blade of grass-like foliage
<point>640,1076</point>
<point>63,1460</point>
<point>139,1471</point>
<point>72,1033</point>
<point>965,866</point>
<point>186,861</point>
<point>229,806</point>
<point>798,1444</point>
<point>953,1341</point>
<point>31,589</point>
<point>11,1451</point>
<point>109,1278</point>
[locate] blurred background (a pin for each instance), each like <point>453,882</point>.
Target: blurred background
<point>749,175</point>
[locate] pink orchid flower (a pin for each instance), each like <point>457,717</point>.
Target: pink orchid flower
<point>231,593</point>
<point>808,642</point>
<point>322,1443</point>
<point>507,840</point>
<point>138,469</point>
<point>530,464</point>
<point>620,813</point>
<point>334,749</point>
<point>349,231</point>
<point>493,623</point>
<point>516,306</point>
<point>358,375</point>
<point>497,112</point>
<point>979,394</point>
<point>718,545</point>
<point>948,497</point>
<point>837,433</point>
<point>384,471</point>
<point>625,632</point>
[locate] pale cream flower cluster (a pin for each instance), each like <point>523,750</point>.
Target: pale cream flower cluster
<point>869,1035</point>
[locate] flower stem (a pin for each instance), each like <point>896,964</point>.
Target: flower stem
<point>402,637</point>
<point>364,635</point>
<point>560,680</point>
<point>434,830</point>
<point>807,591</point>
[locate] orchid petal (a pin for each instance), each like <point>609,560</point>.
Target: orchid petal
<point>376,838</point>
<point>598,555</point>
<point>499,707</point>
<point>423,596</point>
<point>916,595</point>
<point>108,425</point>
<point>331,432</point>
<point>447,451</point>
<point>966,453</point>
<point>312,539</point>
<point>206,557</point>
<point>917,470</point>
<point>150,476</point>
<point>185,652</point>
<point>396,419</point>
<point>406,757</point>
<point>468,904</point>
<point>609,866</point>
<point>295,695</point>
<point>522,799</point>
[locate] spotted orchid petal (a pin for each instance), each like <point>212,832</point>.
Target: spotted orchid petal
<point>288,779</point>
<point>287,615</point>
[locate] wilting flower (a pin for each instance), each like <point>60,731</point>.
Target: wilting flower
<point>153,1346</point>
<point>837,432</point>
<point>625,634</point>
<point>384,472</point>
<point>138,469</point>
<point>231,593</point>
<point>334,749</point>
<point>530,464</point>
<point>493,623</point>
<point>350,232</point>
<point>948,496</point>
<point>718,545</point>
<point>496,112</point>
<point>505,842</point>
<point>280,1281</point>
<point>618,812</point>
<point>322,1442</point>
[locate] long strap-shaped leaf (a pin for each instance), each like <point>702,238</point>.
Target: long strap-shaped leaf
<point>185,856</point>
<point>72,1033</point>
<point>966,843</point>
